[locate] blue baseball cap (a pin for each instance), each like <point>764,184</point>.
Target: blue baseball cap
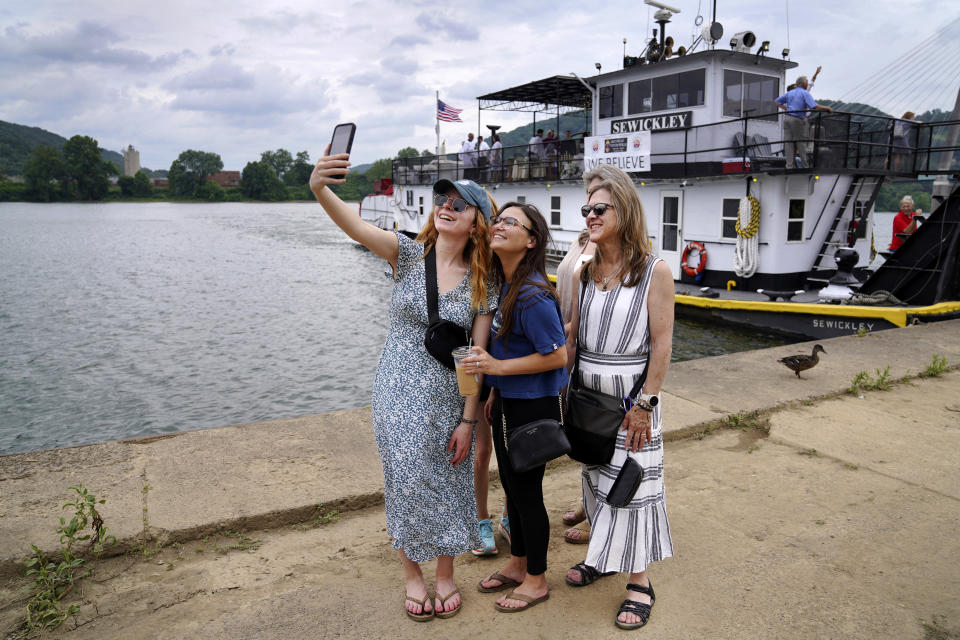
<point>470,190</point>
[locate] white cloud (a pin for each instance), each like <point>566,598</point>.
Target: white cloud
<point>244,76</point>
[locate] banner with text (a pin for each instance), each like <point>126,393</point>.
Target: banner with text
<point>629,152</point>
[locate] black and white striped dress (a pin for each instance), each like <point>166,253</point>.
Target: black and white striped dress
<point>614,343</point>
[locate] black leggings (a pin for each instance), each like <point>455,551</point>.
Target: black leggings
<point>529,525</point>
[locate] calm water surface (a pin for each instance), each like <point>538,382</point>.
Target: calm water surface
<point>121,320</point>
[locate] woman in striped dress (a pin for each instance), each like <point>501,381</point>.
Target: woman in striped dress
<point>623,323</point>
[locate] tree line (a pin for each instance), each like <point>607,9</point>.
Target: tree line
<point>77,172</point>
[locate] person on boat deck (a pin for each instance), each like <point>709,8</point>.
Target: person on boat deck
<point>536,146</point>
<point>496,158</point>
<point>621,324</point>
<point>468,158</point>
<point>483,152</point>
<point>797,103</point>
<point>904,222</point>
<point>423,427</point>
<point>901,133</point>
<point>525,368</point>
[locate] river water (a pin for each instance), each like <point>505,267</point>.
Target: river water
<point>129,319</point>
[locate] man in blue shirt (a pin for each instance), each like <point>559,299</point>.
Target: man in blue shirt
<point>797,102</point>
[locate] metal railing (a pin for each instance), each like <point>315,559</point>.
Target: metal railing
<point>838,142</point>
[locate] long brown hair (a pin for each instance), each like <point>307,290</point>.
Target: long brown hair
<point>476,253</point>
<point>631,223</point>
<point>533,263</point>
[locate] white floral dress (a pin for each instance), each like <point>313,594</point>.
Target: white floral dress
<point>430,504</point>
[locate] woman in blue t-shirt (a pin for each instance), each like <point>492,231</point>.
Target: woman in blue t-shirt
<point>526,370</point>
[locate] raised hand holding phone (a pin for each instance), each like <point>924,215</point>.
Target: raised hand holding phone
<point>331,169</point>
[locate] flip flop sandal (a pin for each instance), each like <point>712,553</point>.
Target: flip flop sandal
<point>531,602</point>
<point>577,515</point>
<point>424,615</point>
<point>440,613</point>
<point>584,537</point>
<point>588,575</point>
<point>505,583</point>
<point>639,609</point>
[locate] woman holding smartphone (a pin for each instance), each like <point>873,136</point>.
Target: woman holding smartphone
<point>526,370</point>
<point>622,324</point>
<point>423,426</point>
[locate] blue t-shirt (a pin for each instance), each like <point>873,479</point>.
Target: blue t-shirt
<point>537,328</point>
<point>798,99</point>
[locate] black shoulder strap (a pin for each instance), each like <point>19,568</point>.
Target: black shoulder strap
<point>576,360</point>
<point>430,269</point>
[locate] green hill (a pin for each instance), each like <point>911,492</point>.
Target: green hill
<point>17,141</point>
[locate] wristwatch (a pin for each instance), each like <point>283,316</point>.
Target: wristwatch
<point>652,400</point>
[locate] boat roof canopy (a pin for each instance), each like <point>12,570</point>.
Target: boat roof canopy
<point>548,94</point>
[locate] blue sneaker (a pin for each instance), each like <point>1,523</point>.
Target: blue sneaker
<point>505,525</point>
<point>489,547</point>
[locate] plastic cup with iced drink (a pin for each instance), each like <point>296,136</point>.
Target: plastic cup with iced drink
<point>467,382</point>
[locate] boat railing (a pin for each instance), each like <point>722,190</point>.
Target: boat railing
<point>837,142</point>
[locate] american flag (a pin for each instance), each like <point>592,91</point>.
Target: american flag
<point>447,113</point>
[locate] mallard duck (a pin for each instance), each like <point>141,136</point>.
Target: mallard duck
<point>801,362</point>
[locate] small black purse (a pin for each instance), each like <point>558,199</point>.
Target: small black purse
<point>535,443</point>
<point>625,486</point>
<point>442,336</point>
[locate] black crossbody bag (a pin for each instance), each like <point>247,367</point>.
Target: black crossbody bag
<point>534,443</point>
<point>593,417</point>
<point>442,336</point>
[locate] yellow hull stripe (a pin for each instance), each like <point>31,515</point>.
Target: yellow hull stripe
<point>894,315</point>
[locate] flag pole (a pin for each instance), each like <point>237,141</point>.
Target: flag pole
<point>436,112</point>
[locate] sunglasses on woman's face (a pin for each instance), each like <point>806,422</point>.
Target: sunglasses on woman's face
<point>600,208</point>
<point>457,204</point>
<point>508,221</point>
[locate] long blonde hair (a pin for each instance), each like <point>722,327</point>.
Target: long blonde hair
<point>631,222</point>
<point>476,253</point>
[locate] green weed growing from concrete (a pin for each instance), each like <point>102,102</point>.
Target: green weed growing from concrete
<point>746,421</point>
<point>322,517</point>
<point>53,579</point>
<point>861,332</point>
<point>863,381</point>
<point>935,368</point>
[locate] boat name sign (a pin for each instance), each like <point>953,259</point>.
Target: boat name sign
<point>629,153</point>
<point>668,122</point>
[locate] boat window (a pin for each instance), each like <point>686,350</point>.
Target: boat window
<point>555,211</point>
<point>675,91</point>
<point>521,199</point>
<point>409,198</point>
<point>611,101</point>
<point>731,209</point>
<point>639,97</point>
<point>795,220</point>
<point>421,205</point>
<point>749,94</point>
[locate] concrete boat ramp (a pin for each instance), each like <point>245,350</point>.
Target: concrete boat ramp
<point>826,515</point>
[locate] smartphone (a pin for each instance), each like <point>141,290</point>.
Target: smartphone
<point>342,140</point>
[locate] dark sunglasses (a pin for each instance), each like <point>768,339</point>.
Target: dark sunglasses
<point>457,204</point>
<point>508,221</point>
<point>600,208</point>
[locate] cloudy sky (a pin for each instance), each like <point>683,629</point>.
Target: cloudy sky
<point>240,77</point>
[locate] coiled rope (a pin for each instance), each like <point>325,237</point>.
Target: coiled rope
<point>746,258</point>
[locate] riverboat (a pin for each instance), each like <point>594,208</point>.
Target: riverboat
<point>750,241</point>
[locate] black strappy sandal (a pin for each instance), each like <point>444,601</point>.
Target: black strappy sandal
<point>639,609</point>
<point>588,575</point>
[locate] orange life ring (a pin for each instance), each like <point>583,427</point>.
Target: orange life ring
<point>702,259</point>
